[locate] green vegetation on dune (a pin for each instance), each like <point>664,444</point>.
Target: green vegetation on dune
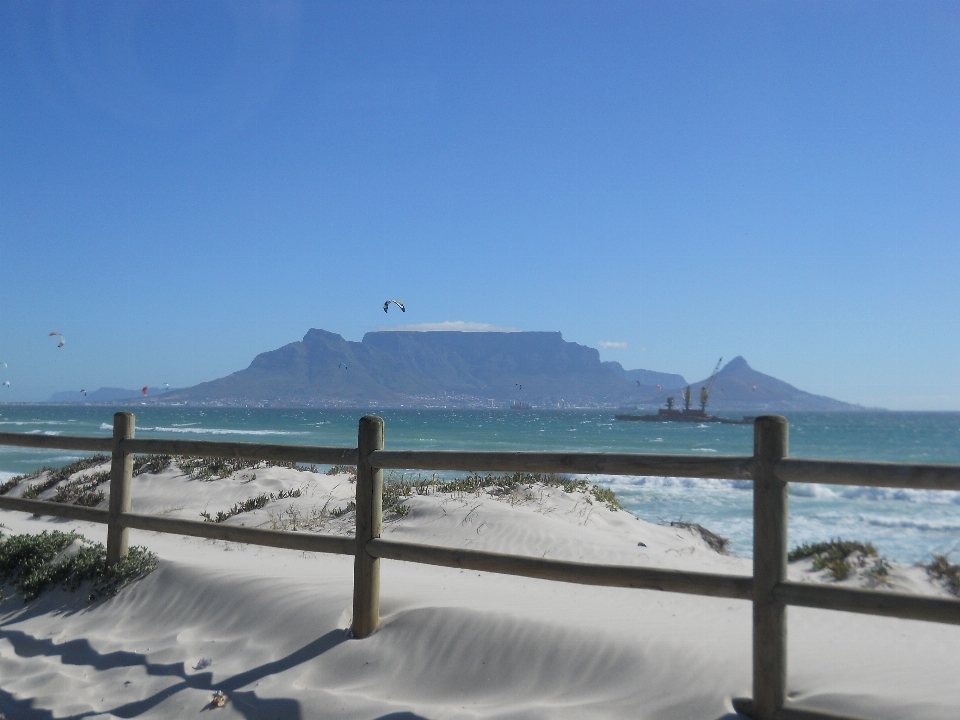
<point>396,489</point>
<point>835,556</point>
<point>34,563</point>
<point>942,570</point>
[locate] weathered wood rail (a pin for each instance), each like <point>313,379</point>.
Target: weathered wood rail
<point>769,467</point>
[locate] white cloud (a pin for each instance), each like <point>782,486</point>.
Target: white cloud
<point>611,345</point>
<point>452,326</point>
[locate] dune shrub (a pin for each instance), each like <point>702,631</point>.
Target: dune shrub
<point>942,570</point>
<point>33,563</point>
<point>835,556</point>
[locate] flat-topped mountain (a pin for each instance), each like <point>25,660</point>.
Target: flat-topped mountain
<point>400,367</point>
<point>476,369</point>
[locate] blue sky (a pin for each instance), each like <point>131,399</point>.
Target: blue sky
<point>185,185</point>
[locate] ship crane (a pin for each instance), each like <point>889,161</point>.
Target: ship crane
<point>706,390</point>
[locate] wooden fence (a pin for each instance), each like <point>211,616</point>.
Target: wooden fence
<point>769,467</point>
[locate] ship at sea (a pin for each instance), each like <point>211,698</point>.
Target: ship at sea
<point>688,414</point>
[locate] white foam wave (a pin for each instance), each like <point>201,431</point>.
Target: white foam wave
<point>910,523</point>
<point>33,422</point>
<point>856,492</point>
<point>653,482</point>
<point>801,490</point>
<point>218,431</point>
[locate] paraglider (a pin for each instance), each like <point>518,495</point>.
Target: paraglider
<point>3,364</point>
<point>6,383</point>
<point>144,389</point>
<point>519,385</point>
<point>395,302</point>
<point>84,392</point>
<point>59,335</point>
<point>342,365</point>
<point>754,388</point>
<point>659,388</point>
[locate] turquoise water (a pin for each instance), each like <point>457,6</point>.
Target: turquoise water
<point>906,525</point>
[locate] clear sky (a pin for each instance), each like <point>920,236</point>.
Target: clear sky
<point>184,185</point>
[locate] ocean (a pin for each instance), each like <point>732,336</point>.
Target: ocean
<point>905,525</point>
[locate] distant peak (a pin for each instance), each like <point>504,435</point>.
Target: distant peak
<point>316,334</point>
<point>738,364</point>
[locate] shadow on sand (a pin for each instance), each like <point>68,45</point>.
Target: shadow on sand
<point>79,652</point>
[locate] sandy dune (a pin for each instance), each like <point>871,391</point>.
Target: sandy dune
<point>453,644</point>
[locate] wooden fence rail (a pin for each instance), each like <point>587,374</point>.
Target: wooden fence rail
<point>769,467</point>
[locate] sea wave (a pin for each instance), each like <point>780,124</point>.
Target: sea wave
<point>800,490</point>
<point>219,431</point>
<point>653,482</point>
<point>34,422</point>
<point>43,432</point>
<point>911,523</point>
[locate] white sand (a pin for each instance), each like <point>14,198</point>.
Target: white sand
<point>453,644</point>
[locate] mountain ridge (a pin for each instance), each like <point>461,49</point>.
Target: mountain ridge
<point>476,369</point>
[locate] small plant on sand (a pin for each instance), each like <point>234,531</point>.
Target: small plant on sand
<point>836,556</point>
<point>395,492</point>
<point>55,475</point>
<point>251,504</point>
<point>220,468</point>
<point>340,512</point>
<point>942,570</point>
<point>17,479</point>
<point>879,572</point>
<point>716,542</point>
<point>350,470</point>
<point>509,486</point>
<point>153,464</point>
<point>608,497</point>
<point>83,490</point>
<point>32,563</point>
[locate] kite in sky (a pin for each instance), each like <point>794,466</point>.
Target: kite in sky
<point>59,335</point>
<point>395,302</point>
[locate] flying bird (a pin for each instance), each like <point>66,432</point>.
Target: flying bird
<point>395,302</point>
<point>59,335</point>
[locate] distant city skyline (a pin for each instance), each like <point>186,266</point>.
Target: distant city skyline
<point>186,185</point>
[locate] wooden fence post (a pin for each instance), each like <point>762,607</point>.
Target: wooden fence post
<point>121,473</point>
<point>366,569</point>
<point>770,444</point>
